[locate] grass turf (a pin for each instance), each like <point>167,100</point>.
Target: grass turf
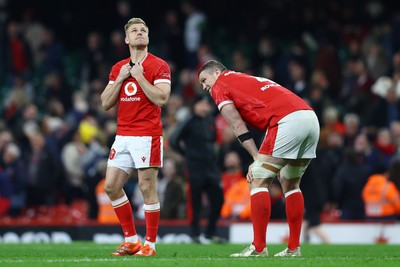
<point>190,255</point>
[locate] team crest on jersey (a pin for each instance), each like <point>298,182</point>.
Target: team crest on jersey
<point>130,89</point>
<point>112,153</point>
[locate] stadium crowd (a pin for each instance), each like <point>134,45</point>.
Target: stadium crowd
<point>342,57</point>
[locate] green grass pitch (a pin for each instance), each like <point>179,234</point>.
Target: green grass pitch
<point>188,255</point>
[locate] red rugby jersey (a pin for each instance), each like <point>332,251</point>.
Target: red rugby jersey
<point>137,115</point>
<point>260,101</point>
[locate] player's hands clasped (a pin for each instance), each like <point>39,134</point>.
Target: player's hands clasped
<point>136,70</point>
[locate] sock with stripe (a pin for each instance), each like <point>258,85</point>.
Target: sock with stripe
<point>152,217</point>
<point>123,210</point>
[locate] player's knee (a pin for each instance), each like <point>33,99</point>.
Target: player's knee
<point>264,170</point>
<point>292,172</point>
<point>108,188</point>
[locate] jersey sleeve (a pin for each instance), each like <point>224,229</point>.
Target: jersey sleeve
<point>163,74</point>
<point>114,73</point>
<point>221,96</point>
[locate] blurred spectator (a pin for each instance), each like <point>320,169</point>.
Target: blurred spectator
<point>117,49</point>
<point>17,56</point>
<point>232,171</point>
<point>347,95</point>
<point>44,172</point>
<point>327,60</point>
<point>348,183</point>
<point>186,85</point>
<point>33,30</point>
<point>88,129</point>
<point>195,139</point>
<point>361,98</point>
<point>72,155</point>
<point>331,123</point>
<point>15,172</point>
<point>394,129</point>
<point>26,125</point>
<point>124,13</point>
<point>57,89</point>
<point>296,53</point>
<point>352,125</point>
<point>266,55</point>
<point>172,193</point>
<point>240,62</point>
<point>363,145</point>
<point>6,137</point>
<point>237,201</point>
<point>381,195</point>
<point>175,112</point>
<point>318,92</point>
<point>376,57</point>
<point>298,80</point>
<point>204,54</point>
<point>93,58</point>
<point>195,23</point>
<point>51,53</point>
<point>267,71</point>
<point>18,97</point>
<point>329,159</point>
<point>93,162</point>
<point>395,68</point>
<point>172,47</point>
<point>383,149</point>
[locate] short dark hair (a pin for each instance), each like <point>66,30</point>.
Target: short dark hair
<point>211,65</point>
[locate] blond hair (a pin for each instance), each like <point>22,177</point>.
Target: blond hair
<point>134,21</point>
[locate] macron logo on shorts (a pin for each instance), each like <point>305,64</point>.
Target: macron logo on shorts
<point>143,158</point>
<point>112,153</point>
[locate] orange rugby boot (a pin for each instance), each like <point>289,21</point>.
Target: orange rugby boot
<point>127,248</point>
<point>146,251</point>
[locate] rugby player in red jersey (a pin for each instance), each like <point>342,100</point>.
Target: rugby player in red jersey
<point>291,135</point>
<point>140,85</point>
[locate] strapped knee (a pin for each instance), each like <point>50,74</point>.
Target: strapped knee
<point>264,170</point>
<point>291,172</point>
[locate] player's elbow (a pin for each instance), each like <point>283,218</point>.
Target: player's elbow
<point>162,101</point>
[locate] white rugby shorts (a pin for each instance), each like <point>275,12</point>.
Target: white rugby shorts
<point>135,152</point>
<point>294,137</point>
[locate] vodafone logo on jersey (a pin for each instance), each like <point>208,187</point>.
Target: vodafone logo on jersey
<point>130,90</point>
